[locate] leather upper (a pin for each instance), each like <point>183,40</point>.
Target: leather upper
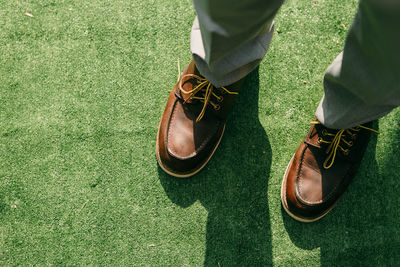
<point>184,145</point>
<point>310,190</point>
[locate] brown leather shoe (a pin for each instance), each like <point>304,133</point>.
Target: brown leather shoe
<point>193,123</point>
<point>321,170</point>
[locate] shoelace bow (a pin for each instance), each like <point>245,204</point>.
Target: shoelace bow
<point>339,137</point>
<point>206,88</point>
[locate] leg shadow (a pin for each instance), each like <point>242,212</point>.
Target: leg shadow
<point>362,230</point>
<point>233,188</point>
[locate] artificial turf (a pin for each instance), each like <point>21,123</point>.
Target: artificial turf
<point>82,87</point>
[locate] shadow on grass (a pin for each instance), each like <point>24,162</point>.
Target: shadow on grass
<point>233,188</point>
<point>362,230</point>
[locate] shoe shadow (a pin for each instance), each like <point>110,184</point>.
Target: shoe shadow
<point>233,188</point>
<point>363,229</point>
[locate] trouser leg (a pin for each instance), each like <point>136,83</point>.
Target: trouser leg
<point>229,38</point>
<point>363,82</point>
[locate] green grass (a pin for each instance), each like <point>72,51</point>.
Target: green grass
<point>82,87</point>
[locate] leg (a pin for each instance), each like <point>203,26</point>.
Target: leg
<point>363,82</point>
<point>228,40</point>
<point>361,85</point>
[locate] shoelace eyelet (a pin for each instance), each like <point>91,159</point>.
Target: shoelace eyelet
<point>319,140</point>
<point>207,91</point>
<point>338,137</point>
<point>351,143</point>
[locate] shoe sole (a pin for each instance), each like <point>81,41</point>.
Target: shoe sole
<point>186,175</point>
<point>284,202</point>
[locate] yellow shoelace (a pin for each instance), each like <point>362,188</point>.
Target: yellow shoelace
<point>206,88</point>
<point>337,139</point>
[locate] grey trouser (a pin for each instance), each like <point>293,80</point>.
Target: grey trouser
<point>230,37</point>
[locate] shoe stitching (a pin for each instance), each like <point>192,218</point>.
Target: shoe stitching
<point>171,121</point>
<point>202,145</point>
<point>298,181</point>
<point>299,184</point>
